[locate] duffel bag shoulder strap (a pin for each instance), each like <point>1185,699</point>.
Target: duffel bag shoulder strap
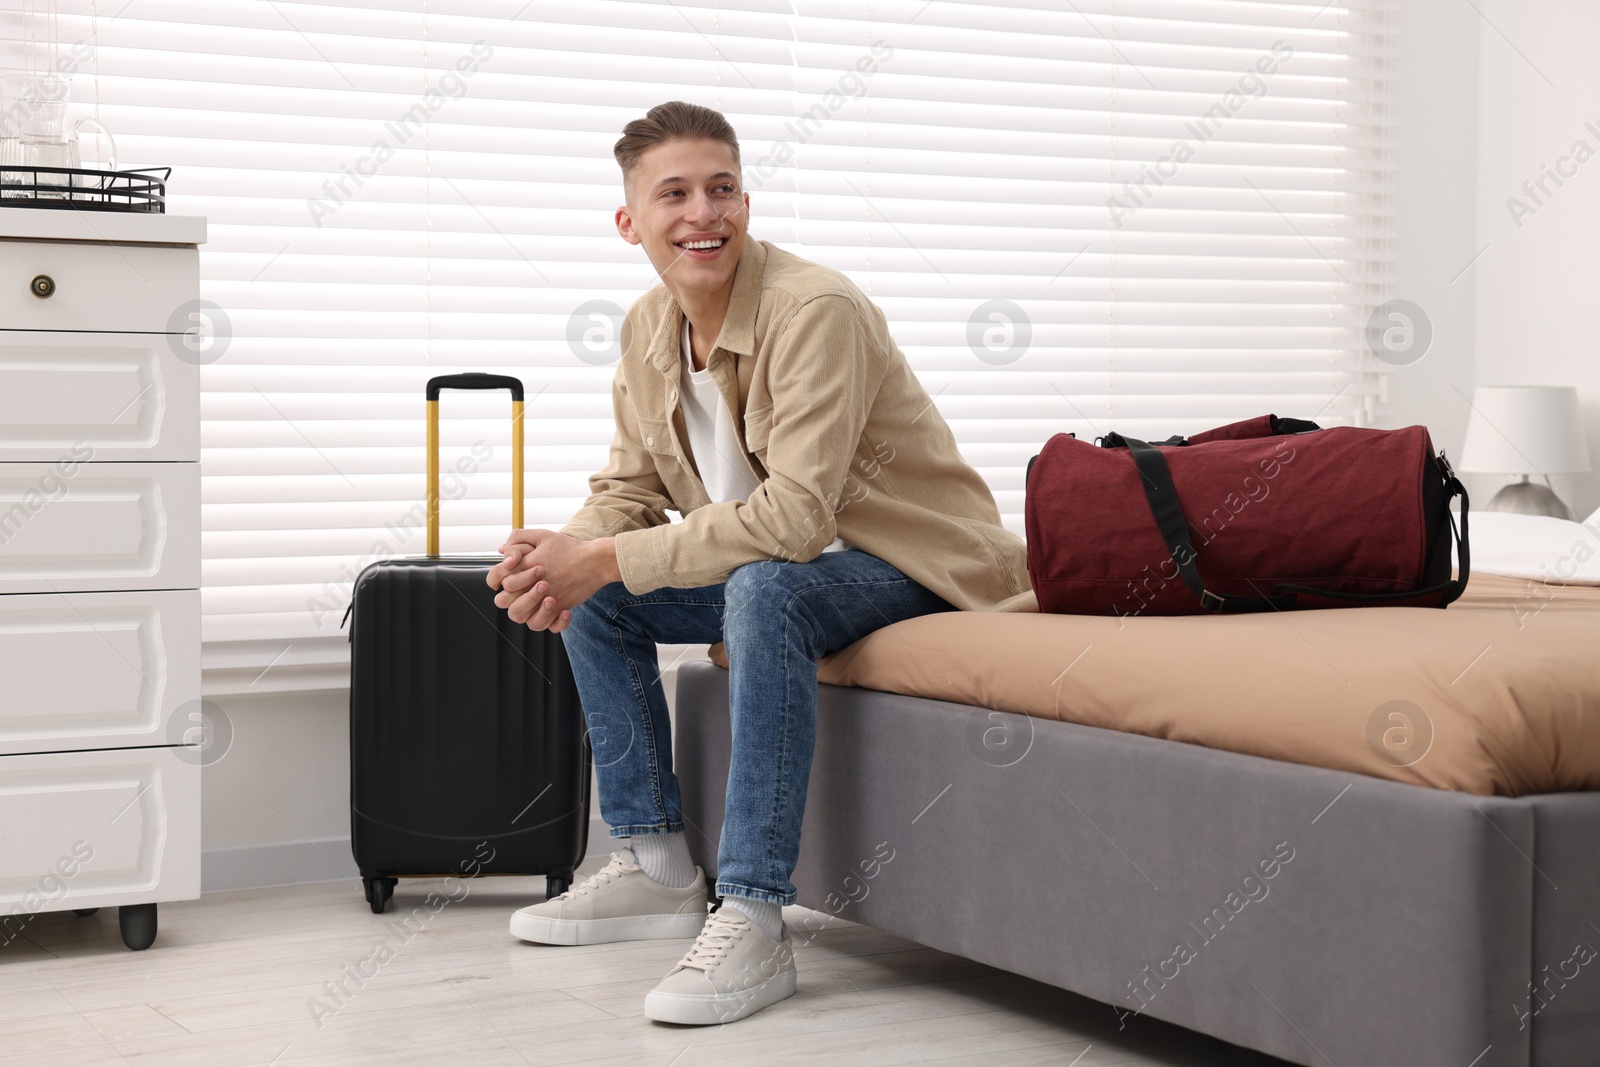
<point>1156,478</point>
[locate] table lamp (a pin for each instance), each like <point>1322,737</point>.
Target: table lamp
<point>1526,429</point>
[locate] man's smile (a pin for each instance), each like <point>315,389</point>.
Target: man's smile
<point>703,246</point>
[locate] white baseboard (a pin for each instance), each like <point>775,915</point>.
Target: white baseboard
<point>284,863</point>
<point>302,862</point>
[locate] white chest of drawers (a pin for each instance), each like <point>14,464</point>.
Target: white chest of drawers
<point>99,566</point>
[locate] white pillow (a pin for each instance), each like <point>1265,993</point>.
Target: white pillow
<point>1536,546</point>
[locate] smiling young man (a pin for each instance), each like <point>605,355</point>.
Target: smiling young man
<point>823,497</point>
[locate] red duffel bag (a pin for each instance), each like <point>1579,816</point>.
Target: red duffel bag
<point>1266,514</point>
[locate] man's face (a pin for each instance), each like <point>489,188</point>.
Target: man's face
<point>687,208</point>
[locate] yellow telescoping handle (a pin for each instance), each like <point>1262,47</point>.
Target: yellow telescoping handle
<point>472,380</point>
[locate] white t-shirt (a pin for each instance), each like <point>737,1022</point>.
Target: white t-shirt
<point>713,443</point>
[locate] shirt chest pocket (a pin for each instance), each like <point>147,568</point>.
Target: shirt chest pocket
<point>656,435</point>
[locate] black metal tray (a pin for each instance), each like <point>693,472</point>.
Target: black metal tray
<point>85,190</point>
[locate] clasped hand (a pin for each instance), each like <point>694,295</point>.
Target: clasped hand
<point>544,576</point>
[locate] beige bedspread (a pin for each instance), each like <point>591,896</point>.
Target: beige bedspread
<point>1498,694</point>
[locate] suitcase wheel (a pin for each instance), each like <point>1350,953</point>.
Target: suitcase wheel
<point>556,884</point>
<point>379,890</point>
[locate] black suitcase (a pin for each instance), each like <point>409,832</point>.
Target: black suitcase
<point>468,749</point>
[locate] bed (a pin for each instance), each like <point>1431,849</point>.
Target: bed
<point>1362,836</point>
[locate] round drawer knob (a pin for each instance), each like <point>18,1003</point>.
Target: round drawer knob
<point>43,286</point>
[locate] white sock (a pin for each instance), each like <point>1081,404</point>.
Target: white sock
<point>763,913</point>
<point>665,858</point>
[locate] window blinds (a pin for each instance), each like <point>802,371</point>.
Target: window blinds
<point>1153,216</point>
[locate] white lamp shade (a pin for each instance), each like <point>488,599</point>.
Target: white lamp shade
<point>1525,429</point>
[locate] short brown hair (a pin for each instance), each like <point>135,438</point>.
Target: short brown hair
<point>672,121</point>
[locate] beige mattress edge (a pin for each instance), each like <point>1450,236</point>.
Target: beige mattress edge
<point>1497,695</point>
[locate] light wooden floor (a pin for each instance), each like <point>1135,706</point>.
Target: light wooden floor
<point>233,979</point>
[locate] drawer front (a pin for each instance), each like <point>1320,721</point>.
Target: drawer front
<point>123,288</point>
<point>98,396</point>
<point>86,527</point>
<point>94,829</point>
<point>98,670</point>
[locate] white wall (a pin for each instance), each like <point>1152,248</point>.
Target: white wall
<point>1435,204</point>
<point>286,774</point>
<point>276,801</point>
<point>1538,286</point>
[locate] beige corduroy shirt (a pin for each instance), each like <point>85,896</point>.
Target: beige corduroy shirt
<point>843,435</point>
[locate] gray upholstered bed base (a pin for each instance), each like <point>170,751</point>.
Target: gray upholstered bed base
<point>1403,929</point>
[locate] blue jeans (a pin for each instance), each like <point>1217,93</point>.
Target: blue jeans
<point>775,618</point>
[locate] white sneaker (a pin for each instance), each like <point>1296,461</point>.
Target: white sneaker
<point>617,903</point>
<point>733,970</point>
